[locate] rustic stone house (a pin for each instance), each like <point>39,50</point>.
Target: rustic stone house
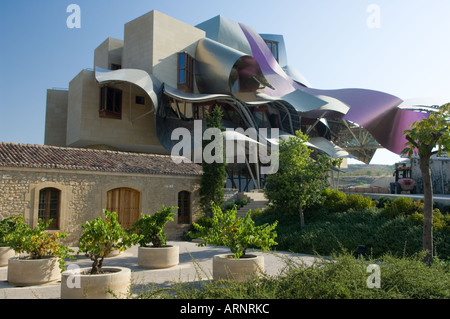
<point>71,186</point>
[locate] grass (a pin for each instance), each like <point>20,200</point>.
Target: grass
<point>343,277</point>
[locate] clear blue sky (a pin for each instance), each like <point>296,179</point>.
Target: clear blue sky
<point>328,41</point>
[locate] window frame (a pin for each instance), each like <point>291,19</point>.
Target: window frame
<point>274,45</point>
<point>113,111</point>
<point>44,213</point>
<point>185,72</point>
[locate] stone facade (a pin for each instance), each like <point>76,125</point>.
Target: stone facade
<point>83,195</point>
<point>83,192</point>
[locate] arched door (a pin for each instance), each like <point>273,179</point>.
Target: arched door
<point>125,202</point>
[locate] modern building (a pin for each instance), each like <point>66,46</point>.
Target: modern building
<point>109,136</point>
<point>165,74</point>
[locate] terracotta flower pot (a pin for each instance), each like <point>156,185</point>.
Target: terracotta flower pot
<point>5,254</point>
<point>158,257</point>
<point>113,283</point>
<point>226,267</point>
<point>29,272</point>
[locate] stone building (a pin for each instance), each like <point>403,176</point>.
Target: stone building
<point>71,186</point>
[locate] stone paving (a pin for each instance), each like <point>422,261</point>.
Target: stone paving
<point>195,264</point>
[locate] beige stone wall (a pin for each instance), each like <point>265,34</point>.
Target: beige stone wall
<point>56,117</point>
<point>133,132</point>
<point>152,41</point>
<point>84,195</point>
<point>107,53</point>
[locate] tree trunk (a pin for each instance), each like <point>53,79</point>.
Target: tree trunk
<point>302,217</point>
<point>427,209</point>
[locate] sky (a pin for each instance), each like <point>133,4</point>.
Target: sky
<point>399,47</point>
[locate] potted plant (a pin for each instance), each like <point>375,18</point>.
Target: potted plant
<point>7,226</point>
<point>153,253</point>
<point>100,237</point>
<point>43,256</point>
<point>236,233</point>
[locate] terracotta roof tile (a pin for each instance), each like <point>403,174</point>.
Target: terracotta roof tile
<point>43,156</point>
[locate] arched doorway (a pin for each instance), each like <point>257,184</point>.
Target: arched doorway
<point>125,202</point>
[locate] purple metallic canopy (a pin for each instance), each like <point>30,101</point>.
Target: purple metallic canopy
<point>377,112</point>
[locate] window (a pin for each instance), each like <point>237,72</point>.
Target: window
<point>184,207</point>
<point>140,100</point>
<point>273,46</point>
<point>115,66</point>
<point>49,206</point>
<point>261,116</point>
<point>185,72</point>
<point>110,102</point>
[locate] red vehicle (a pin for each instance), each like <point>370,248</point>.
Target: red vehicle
<point>403,181</point>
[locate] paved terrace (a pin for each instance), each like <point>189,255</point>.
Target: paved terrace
<point>195,264</point>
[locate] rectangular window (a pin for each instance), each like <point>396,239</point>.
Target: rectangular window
<point>185,72</point>
<point>115,66</point>
<point>110,102</point>
<point>140,100</point>
<point>273,46</point>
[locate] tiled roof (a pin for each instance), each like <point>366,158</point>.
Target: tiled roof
<point>42,156</point>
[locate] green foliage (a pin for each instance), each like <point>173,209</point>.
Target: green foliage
<point>214,174</point>
<point>344,277</point>
<point>7,226</point>
<point>327,232</point>
<point>239,203</point>
<point>103,235</point>
<point>337,201</point>
<point>300,180</point>
<point>150,228</point>
<point>36,242</point>
<point>236,233</point>
<point>401,206</point>
<point>431,132</point>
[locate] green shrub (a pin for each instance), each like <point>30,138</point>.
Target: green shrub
<point>150,228</point>
<point>103,235</point>
<point>337,201</point>
<point>7,227</point>
<point>235,233</point>
<point>358,202</point>
<point>402,206</point>
<point>344,277</point>
<point>37,243</point>
<point>440,222</point>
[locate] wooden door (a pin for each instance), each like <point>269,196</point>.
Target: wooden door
<point>125,202</point>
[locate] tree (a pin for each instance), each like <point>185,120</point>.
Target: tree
<point>300,179</point>
<point>425,138</point>
<point>214,174</point>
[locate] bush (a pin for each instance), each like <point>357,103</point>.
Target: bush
<point>101,236</point>
<point>402,206</point>
<point>38,243</point>
<point>150,228</point>
<point>236,233</point>
<point>343,278</point>
<point>7,227</point>
<point>337,201</point>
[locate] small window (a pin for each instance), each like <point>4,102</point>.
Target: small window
<point>110,102</point>
<point>49,206</point>
<point>273,46</point>
<point>185,72</point>
<point>115,66</point>
<point>184,207</point>
<point>140,100</point>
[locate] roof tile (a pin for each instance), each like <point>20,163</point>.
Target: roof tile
<point>43,156</point>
